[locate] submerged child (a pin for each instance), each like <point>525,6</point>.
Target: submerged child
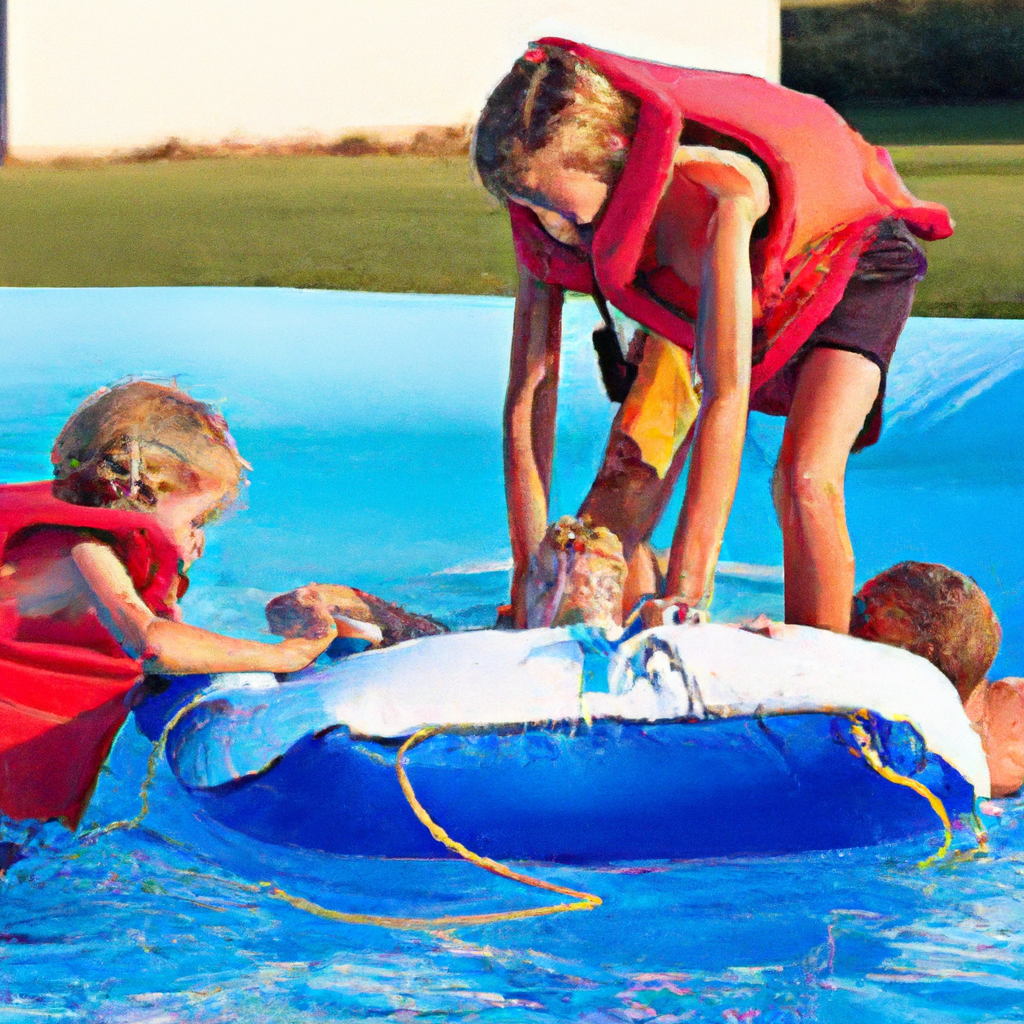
<point>759,241</point>
<point>944,616</point>
<point>91,569</point>
<point>576,577</point>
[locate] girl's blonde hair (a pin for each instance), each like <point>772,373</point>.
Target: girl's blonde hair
<point>551,94</point>
<point>127,445</point>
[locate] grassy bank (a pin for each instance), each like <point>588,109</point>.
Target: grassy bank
<point>914,51</point>
<point>405,224</point>
<point>377,223</point>
<point>977,272</point>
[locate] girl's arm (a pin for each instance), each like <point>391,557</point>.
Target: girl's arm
<point>173,647</point>
<point>723,355</point>
<point>530,407</point>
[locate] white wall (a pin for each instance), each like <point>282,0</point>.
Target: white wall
<point>100,75</point>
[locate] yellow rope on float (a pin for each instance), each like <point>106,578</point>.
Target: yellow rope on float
<point>867,750</point>
<point>585,900</point>
<point>582,900</point>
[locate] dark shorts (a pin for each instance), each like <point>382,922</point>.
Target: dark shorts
<point>868,320</point>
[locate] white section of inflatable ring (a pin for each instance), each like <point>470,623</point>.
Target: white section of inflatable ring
<point>489,677</point>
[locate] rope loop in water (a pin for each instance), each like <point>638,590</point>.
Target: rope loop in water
<point>581,900</point>
<point>154,759</point>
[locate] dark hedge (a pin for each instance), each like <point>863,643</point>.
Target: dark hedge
<point>895,51</point>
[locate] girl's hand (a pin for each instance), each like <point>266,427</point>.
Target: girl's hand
<point>298,652</point>
<point>726,175</point>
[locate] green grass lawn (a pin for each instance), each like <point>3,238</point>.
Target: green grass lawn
<point>406,224</point>
<point>376,223</point>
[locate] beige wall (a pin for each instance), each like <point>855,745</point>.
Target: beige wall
<point>101,75</point>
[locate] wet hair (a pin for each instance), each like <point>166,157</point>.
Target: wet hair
<point>576,576</point>
<point>551,94</point>
<point>935,612</point>
<point>581,536</point>
<point>126,445</point>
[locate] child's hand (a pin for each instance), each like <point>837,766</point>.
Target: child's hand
<point>298,652</point>
<point>670,611</point>
<point>726,175</point>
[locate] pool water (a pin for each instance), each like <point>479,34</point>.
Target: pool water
<point>373,424</point>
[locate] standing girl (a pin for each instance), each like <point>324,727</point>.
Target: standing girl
<point>767,250</point>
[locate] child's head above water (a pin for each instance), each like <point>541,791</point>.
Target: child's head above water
<point>126,446</point>
<point>576,576</point>
<point>935,612</point>
<point>551,98</point>
<point>146,447</point>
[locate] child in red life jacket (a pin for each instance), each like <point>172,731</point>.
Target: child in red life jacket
<point>143,448</point>
<point>764,247</point>
<point>91,569</point>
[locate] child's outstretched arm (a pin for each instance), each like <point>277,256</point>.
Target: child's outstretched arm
<point>530,406</point>
<point>723,355</point>
<point>174,647</point>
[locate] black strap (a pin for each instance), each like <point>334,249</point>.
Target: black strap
<point>602,306</point>
<point>617,373</point>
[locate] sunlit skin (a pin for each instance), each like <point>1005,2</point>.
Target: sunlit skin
<point>996,711</point>
<point>183,516</point>
<point>574,197</point>
<point>704,237</point>
<point>92,577</point>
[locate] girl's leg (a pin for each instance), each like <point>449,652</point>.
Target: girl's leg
<point>834,394</point>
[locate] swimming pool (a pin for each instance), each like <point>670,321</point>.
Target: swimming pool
<point>373,424</point>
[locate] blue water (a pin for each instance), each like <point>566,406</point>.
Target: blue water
<point>373,425</point>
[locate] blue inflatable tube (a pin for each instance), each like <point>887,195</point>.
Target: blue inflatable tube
<point>608,792</point>
<point>269,762</point>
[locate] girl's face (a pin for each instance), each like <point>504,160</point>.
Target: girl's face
<point>566,587</point>
<point>183,514</point>
<point>571,197</point>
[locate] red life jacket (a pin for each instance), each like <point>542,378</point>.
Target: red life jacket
<point>829,190</point>
<point>63,679</point>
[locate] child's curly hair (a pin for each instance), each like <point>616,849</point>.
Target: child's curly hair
<point>933,611</point>
<point>576,576</point>
<point>549,94</point>
<point>126,445</point>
